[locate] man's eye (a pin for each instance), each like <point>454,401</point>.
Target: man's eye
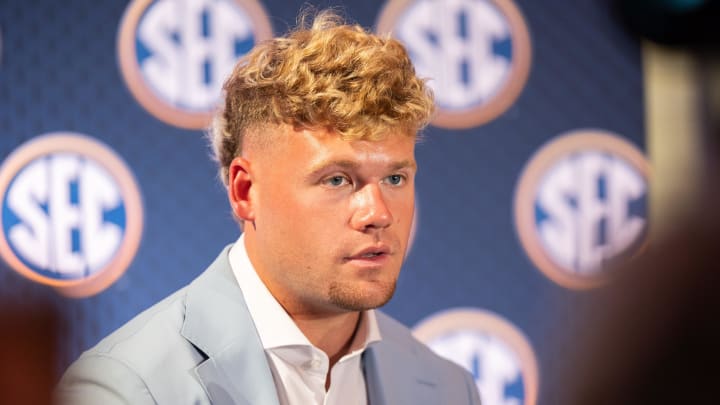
<point>336,181</point>
<point>395,179</point>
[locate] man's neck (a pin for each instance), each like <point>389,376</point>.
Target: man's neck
<point>333,334</point>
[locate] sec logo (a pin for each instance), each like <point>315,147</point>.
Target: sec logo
<point>175,54</point>
<point>580,203</point>
<point>492,349</point>
<point>476,54</point>
<point>71,213</point>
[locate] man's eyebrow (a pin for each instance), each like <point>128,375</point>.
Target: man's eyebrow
<point>404,164</point>
<point>353,165</point>
<point>328,164</point>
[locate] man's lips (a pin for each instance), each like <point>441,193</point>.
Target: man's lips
<point>371,253</point>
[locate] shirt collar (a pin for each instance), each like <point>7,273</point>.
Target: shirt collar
<point>274,326</point>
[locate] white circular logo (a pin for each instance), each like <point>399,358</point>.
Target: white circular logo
<point>71,214</point>
<point>475,52</point>
<point>175,54</point>
<point>580,203</point>
<point>493,350</point>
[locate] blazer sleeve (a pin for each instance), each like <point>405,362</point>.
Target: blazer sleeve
<point>100,379</point>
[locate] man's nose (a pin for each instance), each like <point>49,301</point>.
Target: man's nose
<point>371,210</point>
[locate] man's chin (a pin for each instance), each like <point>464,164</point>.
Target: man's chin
<point>361,299</point>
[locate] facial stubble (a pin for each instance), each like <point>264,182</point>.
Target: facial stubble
<point>352,298</point>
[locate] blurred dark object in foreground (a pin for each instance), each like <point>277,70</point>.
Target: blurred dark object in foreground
<point>653,335</point>
<point>687,23</point>
<point>28,347</point>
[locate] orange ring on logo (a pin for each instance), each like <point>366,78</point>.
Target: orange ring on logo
<point>135,81</point>
<point>507,93</point>
<point>487,323</point>
<point>103,156</point>
<point>541,161</point>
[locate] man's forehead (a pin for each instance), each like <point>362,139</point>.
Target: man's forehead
<point>390,154</point>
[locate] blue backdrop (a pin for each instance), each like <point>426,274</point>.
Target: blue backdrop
<point>60,72</point>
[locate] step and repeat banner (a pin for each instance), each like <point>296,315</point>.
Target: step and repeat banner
<point>532,175</point>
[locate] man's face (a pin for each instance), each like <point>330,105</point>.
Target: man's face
<point>332,218</point>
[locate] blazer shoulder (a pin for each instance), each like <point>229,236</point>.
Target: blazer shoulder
<point>149,334</point>
<point>96,378</point>
<point>157,353</point>
<point>135,363</point>
<point>154,338</point>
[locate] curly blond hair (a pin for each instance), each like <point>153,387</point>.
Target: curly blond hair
<point>329,75</point>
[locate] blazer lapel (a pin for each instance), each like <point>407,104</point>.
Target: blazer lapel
<point>235,379</point>
<point>394,373</point>
<point>218,323</point>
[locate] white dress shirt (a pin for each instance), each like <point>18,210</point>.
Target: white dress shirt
<point>299,368</point>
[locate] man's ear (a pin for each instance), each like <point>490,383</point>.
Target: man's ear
<point>239,185</point>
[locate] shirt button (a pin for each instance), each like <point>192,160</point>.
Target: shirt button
<point>315,364</point>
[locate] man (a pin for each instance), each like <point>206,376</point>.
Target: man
<point>316,147</point>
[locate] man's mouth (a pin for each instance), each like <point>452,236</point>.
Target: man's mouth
<point>370,253</point>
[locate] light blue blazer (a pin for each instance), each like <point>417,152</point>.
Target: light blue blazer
<point>199,346</point>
